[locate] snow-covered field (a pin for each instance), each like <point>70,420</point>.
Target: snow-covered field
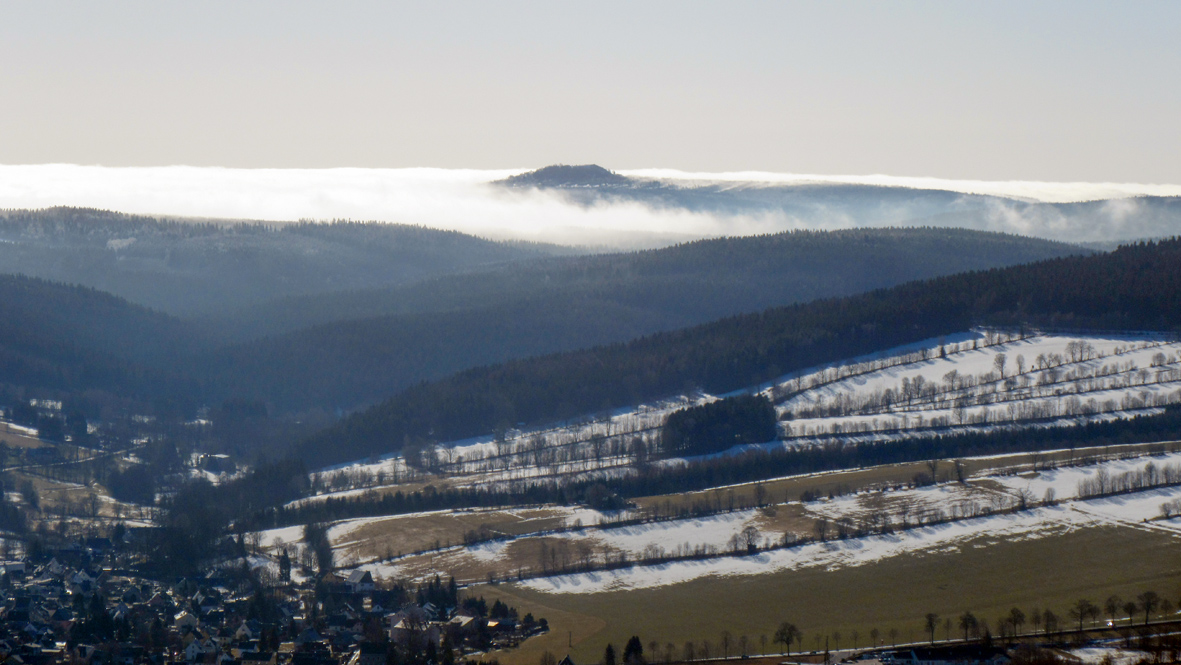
<point>965,384</point>
<point>989,497</point>
<point>350,538</point>
<point>830,554</point>
<point>1041,522</point>
<point>976,381</point>
<point>1112,655</point>
<point>1064,481</point>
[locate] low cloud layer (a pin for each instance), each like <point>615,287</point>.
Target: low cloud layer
<point>464,200</point>
<point>1024,190</point>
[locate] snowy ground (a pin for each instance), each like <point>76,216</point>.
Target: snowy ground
<point>1065,481</point>
<point>980,496</point>
<point>954,536</point>
<point>1117,656</point>
<point>1045,377</point>
<point>346,536</point>
<point>969,382</point>
<point>951,537</point>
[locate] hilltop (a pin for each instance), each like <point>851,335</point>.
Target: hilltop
<point>561,175</point>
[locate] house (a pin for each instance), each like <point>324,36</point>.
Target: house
<point>12,567</point>
<point>369,653</point>
<point>207,600</point>
<point>185,620</point>
<point>197,649</point>
<point>249,630</point>
<point>84,653</point>
<point>462,624</point>
<point>408,631</point>
<point>308,636</point>
<point>360,581</point>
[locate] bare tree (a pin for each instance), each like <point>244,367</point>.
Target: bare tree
<point>1016,620</point>
<point>1149,600</point>
<point>1081,610</point>
<point>785,634</point>
<point>999,361</point>
<point>932,622</point>
<point>749,538</point>
<point>1112,606</point>
<point>967,623</point>
<point>1130,609</point>
<point>821,529</point>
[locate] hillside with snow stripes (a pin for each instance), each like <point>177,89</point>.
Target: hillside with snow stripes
<point>990,380</point>
<point>977,381</point>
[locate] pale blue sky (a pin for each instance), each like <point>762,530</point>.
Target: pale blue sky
<point>992,90</point>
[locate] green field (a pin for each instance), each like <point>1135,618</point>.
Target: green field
<point>894,593</point>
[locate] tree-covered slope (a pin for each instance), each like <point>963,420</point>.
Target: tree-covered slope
<point>188,267</point>
<point>72,339</point>
<point>690,283</point>
<point>1135,287</point>
<point>450,324</point>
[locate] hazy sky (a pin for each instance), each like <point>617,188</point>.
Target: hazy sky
<point>1059,91</point>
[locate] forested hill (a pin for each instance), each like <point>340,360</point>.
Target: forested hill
<point>185,267</point>
<point>58,338</point>
<point>450,324</point>
<point>684,284</point>
<point>1134,287</point>
<point>563,175</point>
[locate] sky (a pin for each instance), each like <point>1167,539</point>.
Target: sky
<point>998,91</point>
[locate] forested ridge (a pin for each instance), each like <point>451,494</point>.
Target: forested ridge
<point>356,356</point>
<point>58,338</point>
<point>704,278</point>
<point>203,268</point>
<point>1135,287</point>
<point>63,341</point>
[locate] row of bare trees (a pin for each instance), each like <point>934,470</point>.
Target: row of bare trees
<point>960,391</point>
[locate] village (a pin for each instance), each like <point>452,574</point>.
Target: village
<point>78,605</point>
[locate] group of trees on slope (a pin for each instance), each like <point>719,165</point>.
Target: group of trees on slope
<point>1132,288</point>
<point>717,426</point>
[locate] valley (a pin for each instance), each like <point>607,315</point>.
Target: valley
<point>939,431</point>
<point>662,333</point>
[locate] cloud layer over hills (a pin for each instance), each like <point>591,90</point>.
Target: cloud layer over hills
<point>469,201</point>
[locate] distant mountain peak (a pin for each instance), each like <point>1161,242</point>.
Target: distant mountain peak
<point>563,175</point>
